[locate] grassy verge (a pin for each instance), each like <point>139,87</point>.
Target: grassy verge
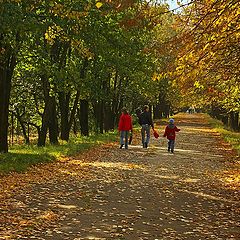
<point>20,157</point>
<point>229,136</point>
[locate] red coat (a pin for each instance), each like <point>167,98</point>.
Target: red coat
<point>125,123</point>
<point>170,132</point>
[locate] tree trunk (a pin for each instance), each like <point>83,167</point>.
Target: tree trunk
<point>45,122</point>
<point>84,108</point>
<point>95,115</point>
<point>234,121</point>
<point>101,122</point>
<point>225,119</point>
<point>34,125</point>
<point>74,110</point>
<point>75,128</point>
<point>66,120</point>
<point>12,129</point>
<point>156,112</point>
<point>114,109</point>
<point>64,112</point>
<point>6,72</point>
<point>237,121</point>
<point>107,117</point>
<point>166,111</point>
<point>24,131</point>
<point>49,117</point>
<point>67,117</point>
<point>53,123</point>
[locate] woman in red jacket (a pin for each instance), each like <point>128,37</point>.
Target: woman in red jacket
<point>170,133</point>
<point>124,126</point>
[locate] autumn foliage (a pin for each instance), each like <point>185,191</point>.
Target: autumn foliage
<point>208,62</point>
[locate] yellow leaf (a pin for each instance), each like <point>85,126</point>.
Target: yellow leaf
<point>99,4</point>
<point>154,77</point>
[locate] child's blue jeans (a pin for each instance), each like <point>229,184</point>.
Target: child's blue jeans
<point>171,143</point>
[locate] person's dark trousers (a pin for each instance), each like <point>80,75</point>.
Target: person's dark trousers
<point>171,145</point>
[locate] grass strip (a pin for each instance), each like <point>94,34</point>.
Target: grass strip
<point>21,157</point>
<point>227,134</point>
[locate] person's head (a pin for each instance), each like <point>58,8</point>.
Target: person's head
<point>171,121</point>
<point>146,108</point>
<point>138,111</point>
<point>124,110</point>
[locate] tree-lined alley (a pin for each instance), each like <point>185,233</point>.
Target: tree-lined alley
<point>72,65</point>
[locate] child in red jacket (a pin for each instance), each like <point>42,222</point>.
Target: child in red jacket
<point>124,126</point>
<point>170,133</point>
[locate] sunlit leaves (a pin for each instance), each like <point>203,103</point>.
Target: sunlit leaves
<point>66,11</point>
<point>209,53</point>
<point>99,4</point>
<point>52,33</point>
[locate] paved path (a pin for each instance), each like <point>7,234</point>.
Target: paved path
<point>133,194</point>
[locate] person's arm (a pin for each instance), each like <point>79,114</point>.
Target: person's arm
<point>177,129</point>
<point>140,119</point>
<point>131,125</point>
<point>150,120</point>
<point>120,124</point>
<point>165,133</point>
<point>138,114</point>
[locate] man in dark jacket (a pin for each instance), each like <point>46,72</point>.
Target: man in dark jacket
<point>145,120</point>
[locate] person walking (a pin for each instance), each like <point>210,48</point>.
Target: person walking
<point>170,133</point>
<point>124,126</point>
<point>145,120</point>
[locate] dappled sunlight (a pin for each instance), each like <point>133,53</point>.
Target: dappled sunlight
<point>191,151</point>
<point>187,152</point>
<point>155,149</point>
<point>176,177</point>
<point>91,238</point>
<point>199,153</point>
<point>208,196</point>
<point>199,129</point>
<point>137,147</point>
<point>170,177</point>
<point>159,147</point>
<point>231,177</point>
<point>48,215</point>
<point>68,207</point>
<point>69,172</point>
<point>119,165</point>
<point>190,180</point>
<point>161,169</point>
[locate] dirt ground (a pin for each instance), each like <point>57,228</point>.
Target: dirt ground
<point>112,193</point>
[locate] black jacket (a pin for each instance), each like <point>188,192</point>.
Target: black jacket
<point>146,118</point>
